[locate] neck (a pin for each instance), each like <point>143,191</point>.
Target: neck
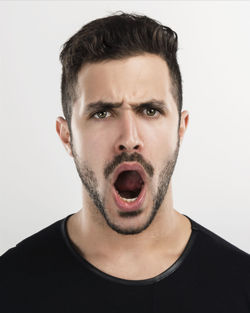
<point>94,238</point>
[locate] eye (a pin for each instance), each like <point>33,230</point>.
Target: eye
<point>101,114</point>
<point>151,112</point>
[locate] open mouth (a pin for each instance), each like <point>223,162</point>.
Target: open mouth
<point>129,185</point>
<point>129,188</point>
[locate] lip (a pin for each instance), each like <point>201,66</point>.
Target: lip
<point>129,166</point>
<point>121,204</point>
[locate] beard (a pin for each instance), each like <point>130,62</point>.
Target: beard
<point>90,182</point>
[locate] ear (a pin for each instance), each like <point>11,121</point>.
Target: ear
<point>183,124</point>
<point>64,134</point>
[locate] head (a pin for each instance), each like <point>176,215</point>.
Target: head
<point>122,101</point>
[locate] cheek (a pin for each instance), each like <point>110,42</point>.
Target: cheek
<point>93,147</point>
<point>160,140</point>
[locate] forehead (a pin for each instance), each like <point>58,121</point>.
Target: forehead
<point>132,79</point>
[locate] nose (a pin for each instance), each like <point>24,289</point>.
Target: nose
<point>128,139</point>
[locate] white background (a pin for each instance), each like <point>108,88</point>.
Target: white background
<point>39,183</point>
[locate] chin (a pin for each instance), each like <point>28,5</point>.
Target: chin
<point>129,223</point>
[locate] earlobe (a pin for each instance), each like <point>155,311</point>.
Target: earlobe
<point>64,134</point>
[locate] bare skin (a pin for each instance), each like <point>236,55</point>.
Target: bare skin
<point>97,141</point>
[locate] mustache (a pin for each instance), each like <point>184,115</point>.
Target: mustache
<point>125,157</point>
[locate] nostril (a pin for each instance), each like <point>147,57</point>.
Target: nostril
<point>121,147</point>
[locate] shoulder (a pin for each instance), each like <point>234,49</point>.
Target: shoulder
<point>219,242</point>
<point>221,256</point>
<point>34,250</point>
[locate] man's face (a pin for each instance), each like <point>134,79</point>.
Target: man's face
<point>125,155</point>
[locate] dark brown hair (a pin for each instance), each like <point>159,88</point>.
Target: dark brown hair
<point>117,36</point>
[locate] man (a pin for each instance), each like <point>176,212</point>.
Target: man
<point>127,249</point>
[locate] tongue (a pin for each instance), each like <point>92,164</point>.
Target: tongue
<point>128,181</point>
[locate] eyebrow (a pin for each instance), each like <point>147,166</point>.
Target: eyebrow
<point>101,105</point>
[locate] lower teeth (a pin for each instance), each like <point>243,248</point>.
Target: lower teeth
<point>128,200</point>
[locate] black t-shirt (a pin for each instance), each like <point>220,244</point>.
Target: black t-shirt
<point>45,273</point>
